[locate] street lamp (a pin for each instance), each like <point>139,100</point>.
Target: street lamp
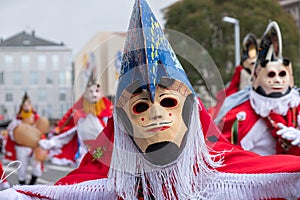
<point>236,36</point>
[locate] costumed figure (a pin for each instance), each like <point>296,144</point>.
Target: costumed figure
<point>161,142</point>
<point>25,131</point>
<point>241,77</point>
<point>87,117</point>
<point>268,122</point>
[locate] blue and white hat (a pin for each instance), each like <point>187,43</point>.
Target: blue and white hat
<point>147,55</point>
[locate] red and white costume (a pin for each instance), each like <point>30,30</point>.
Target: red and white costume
<point>25,154</point>
<point>257,123</point>
<point>65,147</point>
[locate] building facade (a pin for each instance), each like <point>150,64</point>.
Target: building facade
<point>39,67</point>
<point>102,54</point>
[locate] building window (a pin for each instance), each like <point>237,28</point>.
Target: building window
<point>49,78</point>
<point>34,78</point>
<point>1,78</point>
<point>9,97</point>
<point>25,61</point>
<point>55,61</point>
<point>42,95</point>
<point>42,61</point>
<point>62,78</point>
<point>62,96</point>
<point>17,78</point>
<point>8,60</point>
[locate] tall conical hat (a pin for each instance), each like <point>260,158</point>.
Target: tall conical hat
<point>25,98</point>
<point>249,46</point>
<point>92,80</point>
<point>270,50</point>
<point>147,55</point>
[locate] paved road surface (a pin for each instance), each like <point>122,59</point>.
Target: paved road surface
<point>51,174</point>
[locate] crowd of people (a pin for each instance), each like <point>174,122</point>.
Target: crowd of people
<point>158,141</point>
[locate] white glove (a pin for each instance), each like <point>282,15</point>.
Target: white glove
<point>289,133</point>
<point>47,144</point>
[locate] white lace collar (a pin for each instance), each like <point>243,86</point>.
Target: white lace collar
<point>264,105</point>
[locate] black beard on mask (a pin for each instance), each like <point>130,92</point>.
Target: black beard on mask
<point>162,153</point>
<point>262,92</point>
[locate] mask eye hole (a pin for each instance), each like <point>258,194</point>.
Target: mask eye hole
<point>282,73</point>
<point>271,74</point>
<point>169,102</point>
<point>140,107</point>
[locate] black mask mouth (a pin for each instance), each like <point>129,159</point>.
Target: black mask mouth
<point>162,153</point>
<point>262,92</point>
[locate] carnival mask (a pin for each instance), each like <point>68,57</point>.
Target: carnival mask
<point>273,74</point>
<point>158,127</point>
<point>92,93</point>
<point>26,107</point>
<point>273,80</point>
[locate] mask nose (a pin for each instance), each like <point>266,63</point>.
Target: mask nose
<point>155,112</point>
<point>277,79</point>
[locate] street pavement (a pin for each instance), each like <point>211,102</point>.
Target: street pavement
<point>52,173</point>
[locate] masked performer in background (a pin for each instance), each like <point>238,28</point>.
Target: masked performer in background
<point>268,122</point>
<point>88,116</point>
<point>25,131</point>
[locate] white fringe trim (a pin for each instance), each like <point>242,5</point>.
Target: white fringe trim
<point>225,186</point>
<point>91,190</point>
<point>264,105</point>
<point>257,186</point>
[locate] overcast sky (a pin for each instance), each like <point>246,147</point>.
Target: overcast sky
<point>73,22</point>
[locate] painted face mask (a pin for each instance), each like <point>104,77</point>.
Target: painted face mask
<point>93,93</point>
<point>158,128</point>
<point>274,80</point>
<point>26,106</point>
<point>272,76</point>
